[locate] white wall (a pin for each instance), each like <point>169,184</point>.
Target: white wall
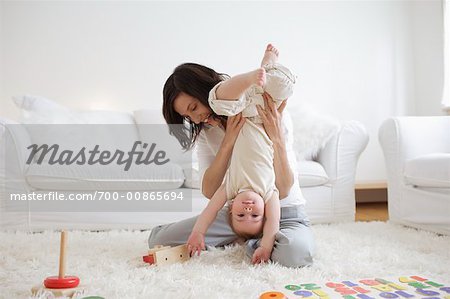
<point>363,60</point>
<point>428,56</point>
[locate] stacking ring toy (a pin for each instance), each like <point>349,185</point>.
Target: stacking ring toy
<point>65,282</point>
<point>272,295</point>
<point>61,281</point>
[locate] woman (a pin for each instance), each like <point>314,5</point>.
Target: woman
<point>186,99</point>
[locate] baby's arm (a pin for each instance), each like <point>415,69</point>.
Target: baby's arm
<point>196,241</point>
<point>271,227</point>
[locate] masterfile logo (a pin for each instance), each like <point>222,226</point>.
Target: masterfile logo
<point>147,156</point>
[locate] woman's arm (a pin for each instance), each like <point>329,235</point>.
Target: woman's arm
<point>213,176</point>
<point>271,117</point>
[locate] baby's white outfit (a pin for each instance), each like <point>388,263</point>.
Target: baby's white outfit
<point>280,83</point>
<point>251,164</point>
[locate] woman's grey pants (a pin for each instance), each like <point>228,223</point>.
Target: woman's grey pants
<point>294,243</point>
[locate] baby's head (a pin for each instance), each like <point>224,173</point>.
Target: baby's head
<point>247,214</point>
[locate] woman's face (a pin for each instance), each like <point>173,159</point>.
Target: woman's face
<point>191,108</point>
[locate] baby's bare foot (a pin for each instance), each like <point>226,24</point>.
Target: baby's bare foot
<point>270,55</point>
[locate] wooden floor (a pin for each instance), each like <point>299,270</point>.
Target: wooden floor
<point>372,211</point>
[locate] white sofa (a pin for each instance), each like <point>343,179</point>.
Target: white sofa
<point>417,156</point>
<point>327,183</point>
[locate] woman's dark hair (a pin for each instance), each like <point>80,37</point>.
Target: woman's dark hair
<point>195,80</point>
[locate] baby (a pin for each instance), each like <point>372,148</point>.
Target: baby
<point>249,185</point>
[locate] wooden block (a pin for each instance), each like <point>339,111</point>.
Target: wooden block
<point>56,292</point>
<point>157,248</point>
<point>172,255</point>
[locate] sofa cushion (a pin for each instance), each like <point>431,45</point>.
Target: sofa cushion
<point>150,123</point>
<point>311,173</point>
<point>48,122</point>
<point>105,177</point>
<point>432,170</point>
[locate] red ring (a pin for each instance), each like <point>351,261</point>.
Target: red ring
<point>67,282</point>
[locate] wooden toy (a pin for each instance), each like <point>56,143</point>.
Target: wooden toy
<point>60,285</point>
<point>166,255</point>
<point>272,295</point>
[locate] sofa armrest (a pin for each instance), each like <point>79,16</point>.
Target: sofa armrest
<point>16,137</point>
<point>404,138</point>
<point>340,155</point>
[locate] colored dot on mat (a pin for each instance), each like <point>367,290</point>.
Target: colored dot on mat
<point>292,287</point>
<point>427,292</point>
<point>404,294</point>
<point>364,296</point>
<point>388,295</point>
<point>303,293</point>
<point>434,284</point>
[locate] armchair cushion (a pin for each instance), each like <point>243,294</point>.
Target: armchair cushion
<point>432,170</point>
<point>311,173</point>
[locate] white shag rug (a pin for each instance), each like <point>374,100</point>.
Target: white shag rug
<point>110,263</point>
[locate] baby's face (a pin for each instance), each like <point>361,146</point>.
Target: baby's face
<point>247,212</point>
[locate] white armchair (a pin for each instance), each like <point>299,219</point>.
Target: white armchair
<point>334,199</point>
<point>417,156</point>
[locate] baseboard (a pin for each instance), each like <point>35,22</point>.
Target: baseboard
<point>371,195</point>
<point>371,191</point>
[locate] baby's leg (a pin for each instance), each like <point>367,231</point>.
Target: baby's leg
<point>234,88</point>
<point>280,82</point>
<point>270,55</point>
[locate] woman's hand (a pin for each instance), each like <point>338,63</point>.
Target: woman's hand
<point>271,117</point>
<point>234,126</point>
